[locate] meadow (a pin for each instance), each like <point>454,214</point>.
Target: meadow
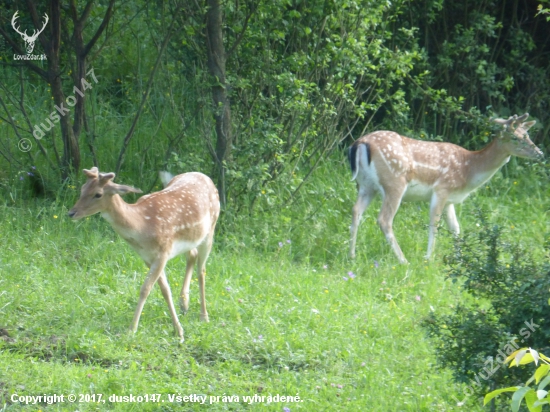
<point>290,314</point>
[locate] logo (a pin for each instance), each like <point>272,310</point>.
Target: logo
<point>29,40</point>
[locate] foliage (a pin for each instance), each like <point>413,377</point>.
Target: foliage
<point>302,79</point>
<point>535,399</point>
<point>479,57</point>
<point>496,317</point>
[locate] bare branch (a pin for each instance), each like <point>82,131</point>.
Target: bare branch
<point>101,28</point>
<point>145,96</point>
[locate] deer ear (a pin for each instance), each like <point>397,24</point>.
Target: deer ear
<point>92,173</point>
<point>114,188</point>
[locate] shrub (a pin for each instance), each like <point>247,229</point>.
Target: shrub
<point>506,297</point>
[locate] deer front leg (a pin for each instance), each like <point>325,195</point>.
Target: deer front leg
<point>155,271</point>
<point>437,205</point>
<point>450,218</point>
<point>184,294</point>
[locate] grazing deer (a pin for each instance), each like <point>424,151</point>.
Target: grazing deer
<point>179,219</point>
<point>29,40</point>
<point>404,169</point>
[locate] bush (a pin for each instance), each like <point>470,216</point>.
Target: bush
<point>506,289</point>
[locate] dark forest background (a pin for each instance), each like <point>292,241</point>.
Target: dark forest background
<point>257,93</point>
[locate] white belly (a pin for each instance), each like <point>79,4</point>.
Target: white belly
<point>417,191</point>
<point>458,197</point>
<point>182,246</point>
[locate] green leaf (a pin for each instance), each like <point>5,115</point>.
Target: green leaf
<point>514,354</point>
<point>497,392</point>
<point>544,382</point>
<point>518,397</point>
<point>523,358</point>
<point>541,372</point>
<point>530,398</point>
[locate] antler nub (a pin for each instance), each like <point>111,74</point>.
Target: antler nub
<point>512,119</point>
<point>523,117</point>
<point>93,173</point>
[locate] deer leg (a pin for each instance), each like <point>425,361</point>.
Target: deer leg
<point>450,218</point>
<point>436,209</point>
<point>364,197</point>
<point>390,205</point>
<point>203,252</point>
<point>155,271</point>
<point>167,293</point>
<point>184,294</point>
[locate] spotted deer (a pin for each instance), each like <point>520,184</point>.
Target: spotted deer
<point>181,218</point>
<point>404,169</point>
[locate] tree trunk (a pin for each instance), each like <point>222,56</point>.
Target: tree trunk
<point>222,112</point>
<point>71,151</point>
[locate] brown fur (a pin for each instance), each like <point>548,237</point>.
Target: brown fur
<point>404,169</point>
<point>179,219</point>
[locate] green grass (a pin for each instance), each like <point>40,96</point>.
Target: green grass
<point>283,320</point>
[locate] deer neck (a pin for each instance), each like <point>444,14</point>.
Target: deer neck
<point>484,163</point>
<point>122,216</point>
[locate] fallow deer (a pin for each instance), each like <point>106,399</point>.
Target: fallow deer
<point>404,169</point>
<point>181,218</point>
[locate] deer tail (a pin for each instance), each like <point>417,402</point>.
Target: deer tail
<point>358,153</point>
<point>165,177</point>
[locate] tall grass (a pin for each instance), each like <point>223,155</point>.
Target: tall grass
<point>286,316</point>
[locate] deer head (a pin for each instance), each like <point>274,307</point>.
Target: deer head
<point>515,137</point>
<point>29,40</point>
<point>97,192</point>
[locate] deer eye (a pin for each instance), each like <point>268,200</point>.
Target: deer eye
<point>98,195</point>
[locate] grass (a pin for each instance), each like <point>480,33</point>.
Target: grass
<point>284,320</point>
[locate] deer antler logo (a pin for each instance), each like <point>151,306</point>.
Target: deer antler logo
<point>29,40</point>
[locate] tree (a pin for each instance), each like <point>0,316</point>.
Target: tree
<point>55,49</point>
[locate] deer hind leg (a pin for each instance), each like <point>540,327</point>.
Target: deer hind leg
<point>167,293</point>
<point>155,271</point>
<point>450,218</point>
<point>437,205</point>
<point>203,252</point>
<point>184,294</point>
<point>364,197</point>
<point>390,205</point>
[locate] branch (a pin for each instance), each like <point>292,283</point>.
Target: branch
<point>243,31</point>
<point>85,13</point>
<point>35,20</point>
<point>144,98</point>
<point>29,124</point>
<point>101,28</point>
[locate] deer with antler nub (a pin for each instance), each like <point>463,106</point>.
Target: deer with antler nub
<point>180,219</point>
<point>29,40</point>
<point>404,169</point>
